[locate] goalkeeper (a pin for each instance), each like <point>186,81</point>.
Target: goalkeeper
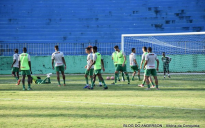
<point>38,80</point>
<point>166,60</point>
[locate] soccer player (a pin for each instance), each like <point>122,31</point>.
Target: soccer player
<point>114,58</point>
<point>133,64</point>
<point>15,66</point>
<point>151,69</point>
<point>97,62</point>
<point>89,62</point>
<point>144,50</point>
<point>60,64</point>
<point>121,65</point>
<point>25,68</point>
<point>166,60</point>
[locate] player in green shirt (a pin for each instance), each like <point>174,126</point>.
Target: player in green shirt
<point>121,64</point>
<point>114,58</point>
<point>25,68</point>
<point>97,62</point>
<point>166,60</point>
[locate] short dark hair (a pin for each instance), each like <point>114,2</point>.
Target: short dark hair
<point>150,49</point>
<point>145,48</point>
<point>133,49</point>
<point>24,49</point>
<point>116,46</point>
<point>56,46</point>
<point>16,50</point>
<point>88,48</point>
<point>95,48</point>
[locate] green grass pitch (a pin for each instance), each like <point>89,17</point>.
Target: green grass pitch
<point>178,102</point>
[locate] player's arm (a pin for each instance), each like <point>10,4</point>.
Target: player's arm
<point>145,63</point>
<point>135,61</point>
<point>64,61</point>
<point>14,61</point>
<point>19,65</point>
<point>93,62</point>
<point>157,64</point>
<point>53,63</point>
<point>142,61</point>
<point>124,59</point>
<point>102,62</point>
<point>29,63</point>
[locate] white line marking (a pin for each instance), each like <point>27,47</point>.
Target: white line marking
<point>117,104</point>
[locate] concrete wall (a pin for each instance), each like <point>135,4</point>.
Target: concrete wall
<point>75,64</point>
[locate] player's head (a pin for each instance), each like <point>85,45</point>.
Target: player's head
<point>56,48</point>
<point>133,50</point>
<point>144,49</point>
<point>16,50</point>
<point>24,49</point>
<point>91,48</point>
<point>88,50</point>
<point>116,48</point>
<point>163,53</point>
<point>95,49</point>
<point>149,49</point>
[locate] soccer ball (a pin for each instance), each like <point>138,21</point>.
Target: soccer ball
<point>112,77</point>
<point>108,78</point>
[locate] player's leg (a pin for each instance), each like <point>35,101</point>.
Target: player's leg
<point>164,68</point>
<point>133,75</point>
<point>63,74</point>
<point>14,74</point>
<point>151,81</point>
<point>168,70</point>
<point>58,78</point>
<point>118,68</point>
<point>19,80</point>
<point>123,76</point>
<point>101,78</point>
<point>154,73</point>
<point>29,82</point>
<point>147,75</point>
<point>124,69</point>
<point>144,80</point>
<point>94,78</point>
<point>91,75</point>
<point>118,74</point>
<point>86,77</point>
<point>138,74</point>
<point>23,80</point>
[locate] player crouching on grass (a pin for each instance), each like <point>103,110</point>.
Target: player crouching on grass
<point>25,68</point>
<point>15,66</point>
<point>150,59</point>
<point>38,80</point>
<point>89,62</point>
<point>133,64</point>
<point>97,61</point>
<point>121,65</point>
<point>60,64</point>
<point>166,60</point>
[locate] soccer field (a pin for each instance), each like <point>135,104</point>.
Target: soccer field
<point>178,102</point>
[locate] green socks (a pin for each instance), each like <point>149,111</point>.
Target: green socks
<point>104,83</point>
<point>128,78</point>
<point>86,79</point>
<point>91,80</point>
<point>122,76</point>
<point>153,83</point>
<point>64,81</point>
<point>156,86</point>
<point>143,82</point>
<point>17,78</point>
<point>59,83</point>
<point>148,85</point>
<point>23,86</point>
<point>133,77</point>
<point>29,85</point>
<point>116,76</point>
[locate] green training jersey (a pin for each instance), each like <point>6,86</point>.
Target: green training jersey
<point>114,56</point>
<point>24,58</point>
<point>120,57</point>
<point>97,59</point>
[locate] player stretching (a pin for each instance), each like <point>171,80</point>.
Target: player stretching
<point>60,64</point>
<point>133,64</point>
<point>114,58</point>
<point>15,66</point>
<point>97,61</point>
<point>144,50</point>
<point>89,62</point>
<point>25,68</point>
<point>150,59</point>
<point>166,60</point>
<point>121,65</point>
